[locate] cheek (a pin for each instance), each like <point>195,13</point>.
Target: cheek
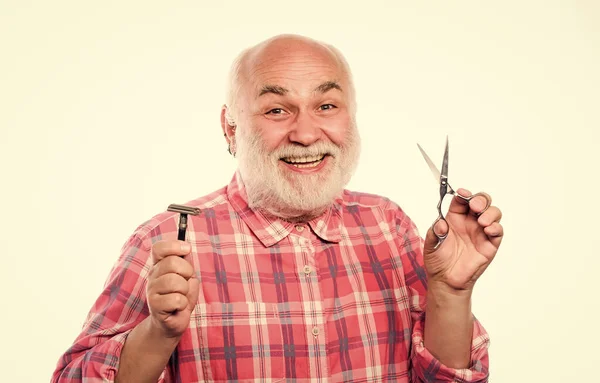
<point>271,137</point>
<point>337,129</point>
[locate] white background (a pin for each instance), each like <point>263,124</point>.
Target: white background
<point>109,111</point>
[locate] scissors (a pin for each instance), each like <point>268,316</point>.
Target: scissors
<point>445,188</point>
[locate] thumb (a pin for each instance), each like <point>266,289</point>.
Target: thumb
<point>193,292</point>
<point>431,240</point>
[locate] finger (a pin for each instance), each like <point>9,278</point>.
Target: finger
<point>491,215</point>
<point>431,239</point>
<point>168,303</point>
<point>165,248</point>
<point>480,203</point>
<point>193,291</point>
<point>440,228</point>
<point>168,284</point>
<point>495,233</point>
<point>460,205</point>
<point>172,265</point>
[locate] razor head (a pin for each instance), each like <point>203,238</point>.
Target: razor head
<point>183,209</point>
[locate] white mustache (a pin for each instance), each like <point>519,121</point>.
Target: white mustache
<point>318,149</point>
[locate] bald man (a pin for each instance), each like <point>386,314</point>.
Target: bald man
<point>286,275</point>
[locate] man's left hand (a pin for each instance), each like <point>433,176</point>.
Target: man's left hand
<point>474,236</point>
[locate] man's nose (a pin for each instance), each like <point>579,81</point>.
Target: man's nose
<point>306,130</point>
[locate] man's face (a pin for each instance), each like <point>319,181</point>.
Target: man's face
<point>297,142</point>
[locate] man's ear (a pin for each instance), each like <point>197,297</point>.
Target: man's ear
<point>228,128</point>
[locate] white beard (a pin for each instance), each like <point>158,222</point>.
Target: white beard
<point>289,195</point>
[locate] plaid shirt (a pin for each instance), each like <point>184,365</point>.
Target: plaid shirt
<point>338,299</point>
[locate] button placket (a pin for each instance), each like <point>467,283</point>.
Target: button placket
<point>308,270</point>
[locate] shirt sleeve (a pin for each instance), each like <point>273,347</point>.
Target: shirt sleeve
<point>95,353</point>
<point>425,367</point>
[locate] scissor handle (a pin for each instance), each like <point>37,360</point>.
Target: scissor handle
<point>440,238</point>
<point>441,217</point>
<point>488,201</point>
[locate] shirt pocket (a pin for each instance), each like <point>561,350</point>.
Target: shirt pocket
<point>241,341</point>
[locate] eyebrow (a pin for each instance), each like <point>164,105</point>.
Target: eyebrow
<point>275,89</point>
<point>327,86</point>
<point>281,91</point>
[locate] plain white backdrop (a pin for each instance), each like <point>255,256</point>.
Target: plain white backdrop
<point>109,112</point>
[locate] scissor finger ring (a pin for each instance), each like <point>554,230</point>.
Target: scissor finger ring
<point>440,238</point>
<point>488,201</point>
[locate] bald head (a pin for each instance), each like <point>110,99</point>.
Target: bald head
<point>277,52</point>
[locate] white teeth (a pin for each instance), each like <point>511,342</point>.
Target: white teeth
<point>309,165</point>
<point>303,160</point>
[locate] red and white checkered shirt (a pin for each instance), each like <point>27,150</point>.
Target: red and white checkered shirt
<point>338,299</point>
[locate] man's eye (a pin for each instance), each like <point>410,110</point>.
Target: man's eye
<point>327,107</point>
<point>275,111</point>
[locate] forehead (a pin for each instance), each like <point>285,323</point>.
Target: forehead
<point>296,66</point>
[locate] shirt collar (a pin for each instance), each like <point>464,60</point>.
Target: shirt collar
<point>270,230</point>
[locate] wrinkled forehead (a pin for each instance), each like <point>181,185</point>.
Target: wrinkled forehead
<point>295,68</point>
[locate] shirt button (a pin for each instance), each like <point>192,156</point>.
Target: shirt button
<point>299,227</point>
<point>315,331</point>
<point>307,270</point>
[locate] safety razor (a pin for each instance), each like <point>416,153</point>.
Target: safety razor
<point>183,211</point>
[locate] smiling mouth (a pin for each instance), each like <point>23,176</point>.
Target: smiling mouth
<point>304,162</point>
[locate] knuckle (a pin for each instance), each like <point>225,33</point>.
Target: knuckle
<point>187,269</point>
<point>181,266</point>
<point>178,284</point>
<point>178,300</point>
<point>173,282</point>
<point>183,301</point>
<point>167,264</point>
<point>156,251</point>
<point>494,213</point>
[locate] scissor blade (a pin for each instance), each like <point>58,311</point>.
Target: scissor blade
<point>445,163</point>
<point>434,169</point>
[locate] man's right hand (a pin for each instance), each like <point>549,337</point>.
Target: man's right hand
<point>172,289</point>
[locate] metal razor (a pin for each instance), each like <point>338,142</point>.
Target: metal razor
<point>183,211</point>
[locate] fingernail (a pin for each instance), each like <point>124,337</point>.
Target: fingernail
<point>185,247</point>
